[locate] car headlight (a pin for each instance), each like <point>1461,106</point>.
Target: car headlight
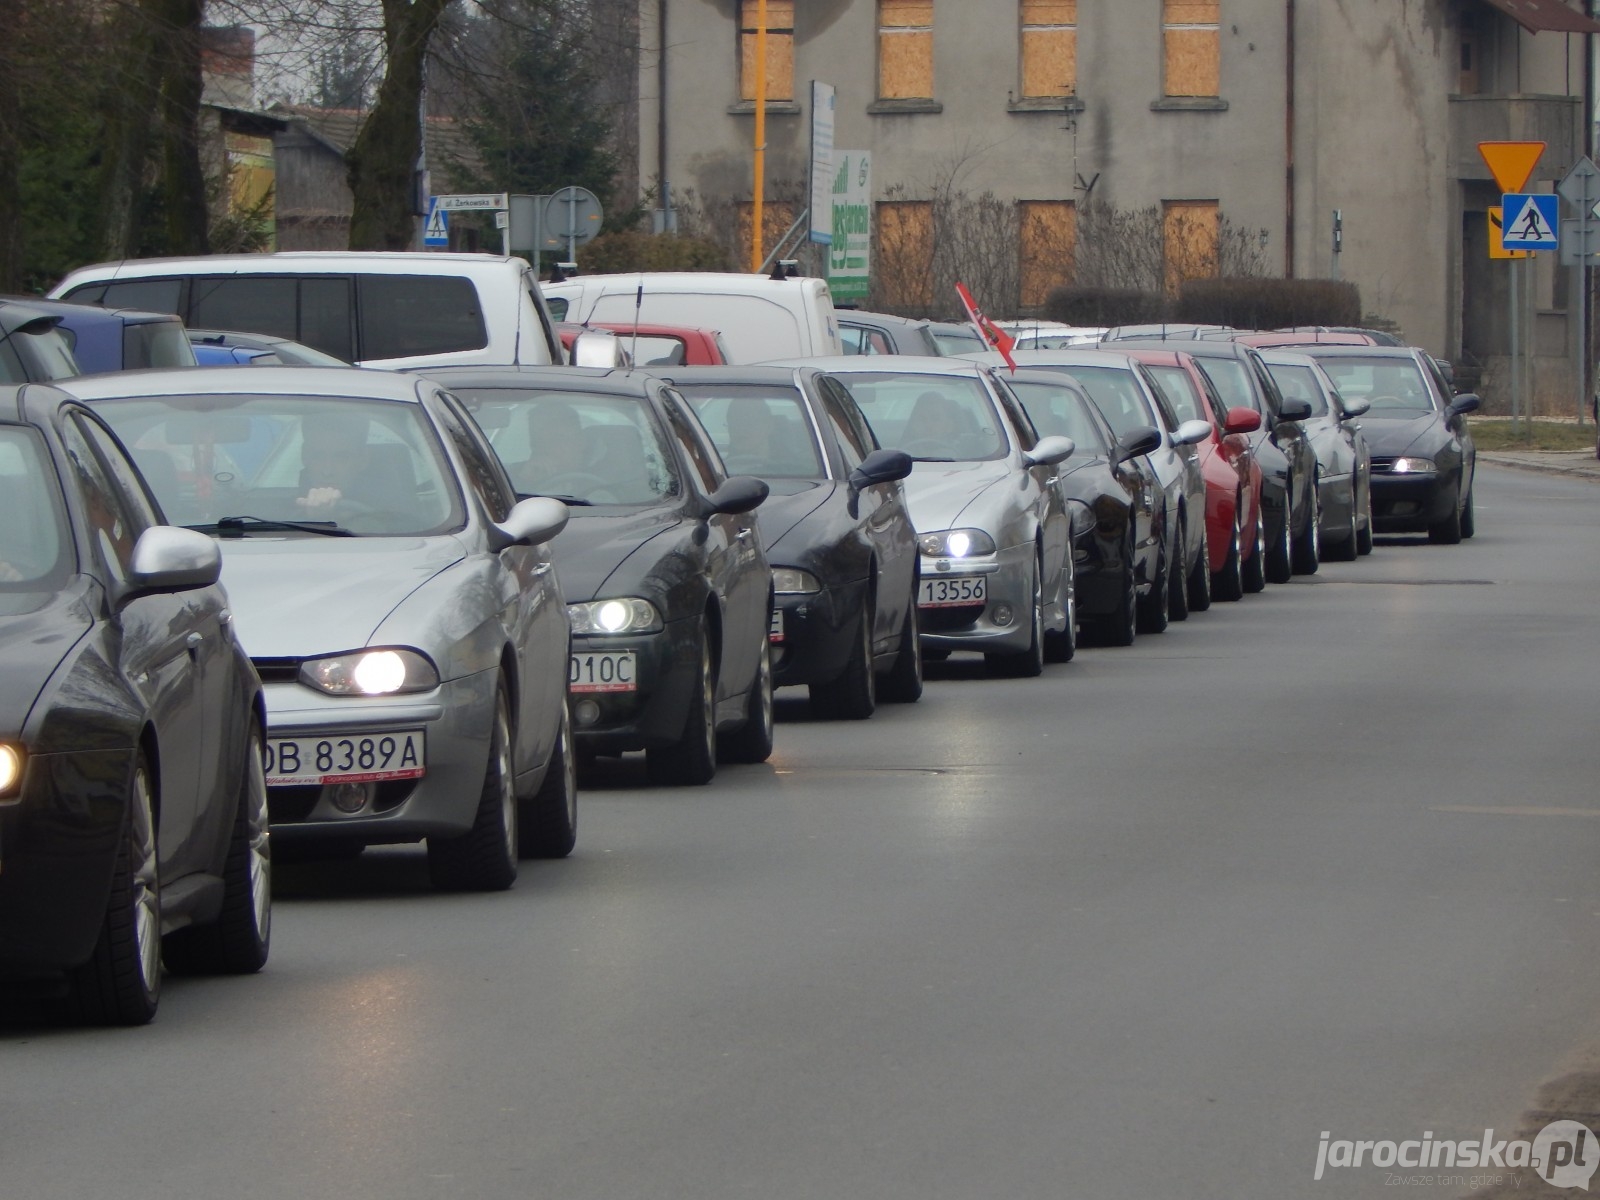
<point>1414,466</point>
<point>370,673</point>
<point>628,615</point>
<point>787,581</point>
<point>11,759</point>
<point>955,543</point>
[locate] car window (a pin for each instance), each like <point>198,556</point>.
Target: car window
<point>1232,381</point>
<point>936,417</point>
<point>46,353</point>
<point>695,443</point>
<point>842,410</point>
<point>861,339</point>
<point>1169,416</point>
<point>35,546</point>
<point>1299,383</point>
<point>373,467</point>
<point>485,481</point>
<point>327,316</point>
<point>124,475</point>
<point>156,344</point>
<point>112,528</point>
<point>558,307</point>
<point>758,429</point>
<point>1027,435</point>
<point>1061,411</point>
<point>147,295</point>
<point>407,315</point>
<point>250,303</point>
<point>1394,386</point>
<point>1115,392</point>
<point>951,340</point>
<point>589,447</point>
<point>1178,390</point>
<point>651,350</point>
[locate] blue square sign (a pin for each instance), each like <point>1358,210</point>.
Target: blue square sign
<point>1530,222</point>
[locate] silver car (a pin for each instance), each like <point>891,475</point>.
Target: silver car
<point>995,570</point>
<point>396,599</point>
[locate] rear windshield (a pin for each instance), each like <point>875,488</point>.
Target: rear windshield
<point>1394,386</point>
<point>761,431</point>
<point>1115,392</point>
<point>939,418</point>
<point>35,548</point>
<point>156,344</point>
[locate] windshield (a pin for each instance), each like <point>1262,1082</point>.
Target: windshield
<point>1115,392</point>
<point>584,447</point>
<point>761,431</point>
<point>1063,411</point>
<point>1232,381</point>
<point>943,418</point>
<point>1395,386</point>
<point>1179,389</point>
<point>1299,383</point>
<point>952,340</point>
<point>372,467</point>
<point>35,549</point>
<point>156,344</point>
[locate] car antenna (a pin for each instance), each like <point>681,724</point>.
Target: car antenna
<point>638,308</point>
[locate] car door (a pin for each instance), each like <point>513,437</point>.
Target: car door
<point>172,646</point>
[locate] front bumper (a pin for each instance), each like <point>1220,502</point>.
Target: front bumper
<point>667,669</point>
<point>456,718</point>
<point>1411,503</point>
<point>58,849</point>
<point>1000,624</point>
<point>820,630</point>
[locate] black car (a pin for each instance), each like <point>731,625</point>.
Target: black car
<point>1344,464</point>
<point>667,588</point>
<point>1111,492</point>
<point>1423,458</point>
<point>132,795</point>
<point>1288,461</point>
<point>33,348</point>
<point>835,529</point>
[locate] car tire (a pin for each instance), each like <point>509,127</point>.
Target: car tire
<point>752,741</point>
<point>1279,562</point>
<point>1364,534</point>
<point>120,984</point>
<point>238,941</point>
<point>1028,663</point>
<point>903,683</point>
<point>1178,585</point>
<point>853,695</point>
<point>1448,531</point>
<point>484,858</point>
<point>1227,583</point>
<point>1253,571</point>
<point>1307,553</point>
<point>1122,623</point>
<point>1063,646</point>
<point>1152,607</point>
<point>1199,585</point>
<point>1345,548</point>
<point>547,826</point>
<point>692,759</point>
<point>1469,523</point>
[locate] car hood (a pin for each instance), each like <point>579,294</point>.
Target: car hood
<point>596,543</point>
<point>788,503</point>
<point>293,597</point>
<point>1391,436</point>
<point>37,631</point>
<point>938,493</point>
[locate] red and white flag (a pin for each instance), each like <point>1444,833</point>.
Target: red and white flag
<point>993,336</point>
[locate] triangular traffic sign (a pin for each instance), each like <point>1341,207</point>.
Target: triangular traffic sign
<point>1528,225</point>
<point>1511,163</point>
<point>1530,222</point>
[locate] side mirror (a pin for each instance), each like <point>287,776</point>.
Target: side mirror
<point>1049,451</point>
<point>739,494</point>
<point>1355,408</point>
<point>881,466</point>
<point>1294,409</point>
<point>598,348</point>
<point>169,559</point>
<point>1241,419</point>
<point>531,521</point>
<point>1135,442</point>
<point>1464,403</point>
<point>1191,433</point>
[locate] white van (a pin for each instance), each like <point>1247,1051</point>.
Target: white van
<point>375,309</point>
<point>759,318</point>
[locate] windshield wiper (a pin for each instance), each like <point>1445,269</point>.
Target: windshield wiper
<point>570,501</point>
<point>237,525</point>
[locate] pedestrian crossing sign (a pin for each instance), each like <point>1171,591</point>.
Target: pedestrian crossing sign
<point>1530,222</point>
<point>437,231</point>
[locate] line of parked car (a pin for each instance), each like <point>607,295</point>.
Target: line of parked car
<point>319,608</point>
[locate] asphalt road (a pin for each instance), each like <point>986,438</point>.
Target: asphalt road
<point>1324,860</point>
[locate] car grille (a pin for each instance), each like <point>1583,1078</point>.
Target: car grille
<point>277,670</point>
<point>1382,466</point>
<point>291,804</point>
<point>945,620</point>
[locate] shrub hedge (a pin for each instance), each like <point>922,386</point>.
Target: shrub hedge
<point>1268,303</point>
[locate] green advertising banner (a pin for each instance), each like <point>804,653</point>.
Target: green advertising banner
<point>850,255</point>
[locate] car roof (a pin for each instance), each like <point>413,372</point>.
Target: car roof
<point>755,373</point>
<point>861,316</point>
<point>1067,356</point>
<point>1198,348</point>
<point>339,382</point>
<point>593,379</point>
<point>17,315</point>
<point>93,314</point>
<point>891,364</point>
<point>1394,352</point>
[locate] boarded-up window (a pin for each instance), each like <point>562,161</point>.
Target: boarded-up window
<point>776,217</point>
<point>1192,40</point>
<point>905,49</point>
<point>903,259</point>
<point>1190,230</point>
<point>1049,235</point>
<point>1049,48</point>
<point>780,49</point>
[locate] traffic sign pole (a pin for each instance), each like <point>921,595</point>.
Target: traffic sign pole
<point>1512,164</point>
<point>1581,189</point>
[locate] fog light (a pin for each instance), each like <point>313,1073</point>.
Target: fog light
<point>350,798</point>
<point>1001,615</point>
<point>586,712</point>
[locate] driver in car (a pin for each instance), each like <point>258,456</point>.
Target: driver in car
<point>557,448</point>
<point>337,469</point>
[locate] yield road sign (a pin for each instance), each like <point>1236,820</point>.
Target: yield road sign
<point>1531,222</point>
<point>437,231</point>
<point>1497,247</point>
<point>1511,163</point>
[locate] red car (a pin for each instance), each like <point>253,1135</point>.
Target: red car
<point>657,345</point>
<point>1232,475</point>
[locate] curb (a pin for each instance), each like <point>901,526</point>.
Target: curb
<point>1545,465</point>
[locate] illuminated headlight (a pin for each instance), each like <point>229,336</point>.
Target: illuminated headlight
<point>1414,466</point>
<point>955,543</point>
<point>10,771</point>
<point>787,581</point>
<point>370,673</point>
<point>630,615</point>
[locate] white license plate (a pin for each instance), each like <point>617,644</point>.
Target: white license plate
<point>775,626</point>
<point>346,758</point>
<point>610,672</point>
<point>951,591</point>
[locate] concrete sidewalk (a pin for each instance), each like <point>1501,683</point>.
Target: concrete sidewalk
<point>1580,463</point>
